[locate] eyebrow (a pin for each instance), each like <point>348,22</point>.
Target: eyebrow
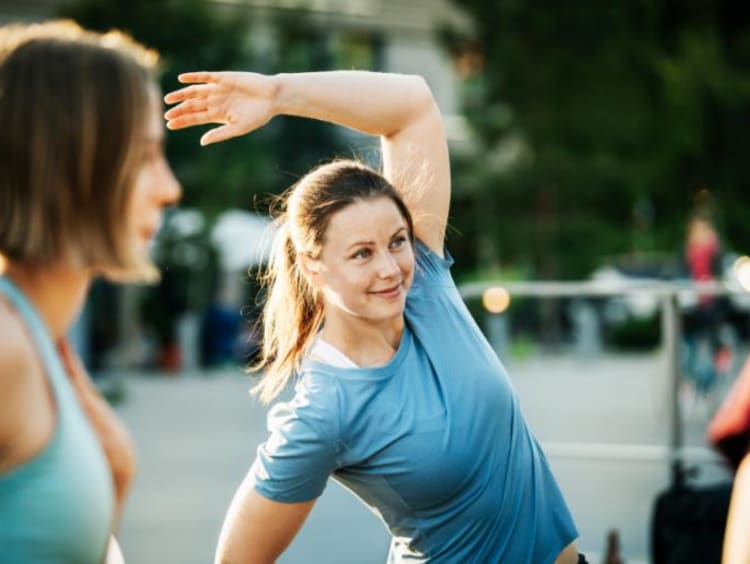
<point>399,230</point>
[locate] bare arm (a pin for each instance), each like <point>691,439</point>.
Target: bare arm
<point>399,109</point>
<point>257,530</point>
<point>736,540</point>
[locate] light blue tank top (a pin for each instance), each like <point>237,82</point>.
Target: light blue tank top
<point>57,507</point>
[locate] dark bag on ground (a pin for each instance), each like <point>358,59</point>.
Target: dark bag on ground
<point>688,525</point>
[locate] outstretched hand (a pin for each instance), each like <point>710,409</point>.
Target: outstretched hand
<point>239,101</point>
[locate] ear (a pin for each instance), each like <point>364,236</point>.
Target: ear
<point>311,269</point>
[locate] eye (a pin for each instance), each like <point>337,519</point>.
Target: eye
<point>398,242</point>
<point>362,254</point>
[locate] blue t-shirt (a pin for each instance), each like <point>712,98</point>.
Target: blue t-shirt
<point>434,442</point>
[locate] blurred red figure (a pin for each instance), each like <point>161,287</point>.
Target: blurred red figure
<point>702,253</point>
<point>708,339</point>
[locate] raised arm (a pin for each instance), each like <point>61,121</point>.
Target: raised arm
<point>399,109</point>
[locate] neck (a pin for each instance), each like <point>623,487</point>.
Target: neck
<point>367,343</point>
<point>57,292</point>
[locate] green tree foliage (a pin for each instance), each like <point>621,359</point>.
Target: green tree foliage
<point>189,35</point>
<point>598,124</point>
<point>301,144</point>
<point>199,35</point>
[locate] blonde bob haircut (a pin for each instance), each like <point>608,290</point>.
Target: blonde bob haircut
<point>73,104</point>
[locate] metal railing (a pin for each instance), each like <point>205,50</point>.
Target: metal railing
<point>668,295</point>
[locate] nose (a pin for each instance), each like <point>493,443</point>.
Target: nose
<point>169,190</point>
<point>387,265</point>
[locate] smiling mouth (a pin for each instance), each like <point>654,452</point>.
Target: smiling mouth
<point>389,292</point>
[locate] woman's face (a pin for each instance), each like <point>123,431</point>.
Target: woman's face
<point>155,184</point>
<point>367,262</point>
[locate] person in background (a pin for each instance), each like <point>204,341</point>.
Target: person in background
<point>703,260</point>
<point>83,181</point>
<point>398,395</point>
<point>708,353</point>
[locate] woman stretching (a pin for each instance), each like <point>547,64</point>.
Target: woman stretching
<point>398,395</point>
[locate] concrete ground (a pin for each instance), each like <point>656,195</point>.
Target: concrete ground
<point>602,421</point>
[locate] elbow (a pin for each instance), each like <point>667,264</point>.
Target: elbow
<point>415,104</point>
<point>423,95</point>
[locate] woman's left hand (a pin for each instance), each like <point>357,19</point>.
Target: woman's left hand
<point>240,101</point>
<point>113,436</point>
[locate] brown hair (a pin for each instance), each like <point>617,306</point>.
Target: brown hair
<point>293,312</point>
<point>72,103</point>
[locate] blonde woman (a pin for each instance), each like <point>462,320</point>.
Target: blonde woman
<point>398,396</point>
<point>83,181</point>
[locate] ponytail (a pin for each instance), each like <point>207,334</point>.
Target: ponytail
<point>292,316</point>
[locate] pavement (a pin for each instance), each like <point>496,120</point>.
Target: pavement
<point>196,436</point>
<point>602,421</point>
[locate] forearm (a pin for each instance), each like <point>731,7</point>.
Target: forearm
<point>736,543</point>
<point>257,530</point>
<point>373,103</point>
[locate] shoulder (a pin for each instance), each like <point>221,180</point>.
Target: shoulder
<point>302,448</point>
<point>314,407</point>
<point>318,387</point>
<point>432,275</point>
<point>17,363</point>
<point>17,356</point>
<point>429,263</point>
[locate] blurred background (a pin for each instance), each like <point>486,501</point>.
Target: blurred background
<point>586,138</point>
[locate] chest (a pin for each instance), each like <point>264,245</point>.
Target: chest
<point>422,440</point>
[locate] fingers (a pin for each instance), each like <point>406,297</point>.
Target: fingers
<point>188,113</point>
<point>192,106</point>
<point>199,76</point>
<point>188,120</point>
<point>220,134</point>
<point>187,93</point>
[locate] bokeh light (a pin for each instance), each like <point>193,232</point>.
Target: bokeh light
<point>3,264</point>
<point>742,272</point>
<point>496,299</point>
